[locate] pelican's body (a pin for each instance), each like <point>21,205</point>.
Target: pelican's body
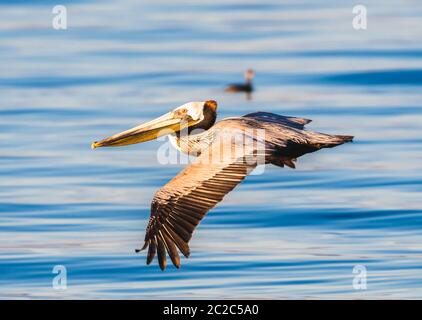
<point>226,152</point>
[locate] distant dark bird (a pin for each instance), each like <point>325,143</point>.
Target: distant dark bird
<point>226,152</point>
<point>243,87</point>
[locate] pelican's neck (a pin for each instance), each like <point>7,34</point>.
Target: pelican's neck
<point>193,143</point>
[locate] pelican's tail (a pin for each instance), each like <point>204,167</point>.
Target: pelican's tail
<point>345,138</point>
<point>320,140</point>
<point>316,141</point>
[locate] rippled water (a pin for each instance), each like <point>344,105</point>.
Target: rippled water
<point>285,234</point>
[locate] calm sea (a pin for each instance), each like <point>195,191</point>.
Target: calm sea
<point>284,234</point>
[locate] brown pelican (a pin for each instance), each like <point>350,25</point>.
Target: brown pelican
<point>223,161</point>
<point>243,87</point>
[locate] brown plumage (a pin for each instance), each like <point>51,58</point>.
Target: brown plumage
<point>179,206</point>
<point>227,152</point>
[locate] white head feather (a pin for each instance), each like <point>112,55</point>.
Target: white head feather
<point>195,109</point>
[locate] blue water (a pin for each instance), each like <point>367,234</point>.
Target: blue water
<point>284,234</point>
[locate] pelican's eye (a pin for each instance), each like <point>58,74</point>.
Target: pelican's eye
<point>192,111</point>
<point>183,115</point>
<point>180,113</point>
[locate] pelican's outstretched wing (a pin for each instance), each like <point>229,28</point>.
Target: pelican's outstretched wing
<point>292,122</point>
<point>182,203</point>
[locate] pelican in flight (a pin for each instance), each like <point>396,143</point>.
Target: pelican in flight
<point>226,152</point>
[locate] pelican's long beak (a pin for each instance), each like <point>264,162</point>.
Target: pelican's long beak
<point>169,123</point>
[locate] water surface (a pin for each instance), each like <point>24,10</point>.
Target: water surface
<point>285,234</point>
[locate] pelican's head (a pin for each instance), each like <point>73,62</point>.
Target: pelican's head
<point>192,115</point>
